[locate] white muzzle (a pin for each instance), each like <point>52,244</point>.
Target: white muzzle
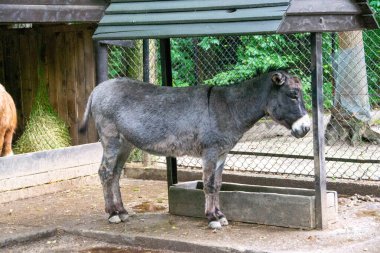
<point>301,127</point>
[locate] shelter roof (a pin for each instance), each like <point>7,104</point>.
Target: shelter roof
<point>132,19</point>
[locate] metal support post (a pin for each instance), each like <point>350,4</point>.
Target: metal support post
<point>166,71</point>
<point>101,62</point>
<point>318,131</point>
<point>146,61</point>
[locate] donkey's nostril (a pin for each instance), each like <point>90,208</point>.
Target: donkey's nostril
<point>306,128</point>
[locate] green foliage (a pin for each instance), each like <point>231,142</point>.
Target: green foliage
<point>207,42</point>
<point>123,61</point>
<point>255,54</point>
<point>375,4</point>
<point>372,50</point>
<point>135,156</point>
<point>183,62</point>
<point>115,62</point>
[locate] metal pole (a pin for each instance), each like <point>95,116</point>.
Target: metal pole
<point>166,71</point>
<point>101,62</point>
<point>318,131</point>
<point>146,60</point>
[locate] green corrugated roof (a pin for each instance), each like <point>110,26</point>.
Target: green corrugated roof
<point>183,18</point>
<point>138,19</point>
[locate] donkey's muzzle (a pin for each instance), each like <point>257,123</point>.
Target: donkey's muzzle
<point>301,127</point>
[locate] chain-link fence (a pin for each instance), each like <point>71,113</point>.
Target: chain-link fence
<point>351,95</point>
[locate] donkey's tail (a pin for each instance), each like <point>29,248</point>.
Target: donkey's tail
<point>86,115</point>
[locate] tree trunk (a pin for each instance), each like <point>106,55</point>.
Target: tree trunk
<point>351,115</point>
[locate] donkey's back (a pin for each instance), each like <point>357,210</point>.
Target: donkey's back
<point>160,120</point>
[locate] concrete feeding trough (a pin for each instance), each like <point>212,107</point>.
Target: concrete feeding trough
<point>278,206</point>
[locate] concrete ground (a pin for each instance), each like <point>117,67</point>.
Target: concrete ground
<point>74,221</point>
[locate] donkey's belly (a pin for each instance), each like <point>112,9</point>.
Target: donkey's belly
<point>172,146</point>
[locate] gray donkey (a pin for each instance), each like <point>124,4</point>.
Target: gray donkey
<point>199,121</point>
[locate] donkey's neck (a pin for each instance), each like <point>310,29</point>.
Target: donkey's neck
<point>248,101</point>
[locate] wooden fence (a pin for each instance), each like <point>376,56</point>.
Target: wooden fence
<point>65,53</point>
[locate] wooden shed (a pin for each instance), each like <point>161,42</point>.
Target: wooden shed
<point>57,36</point>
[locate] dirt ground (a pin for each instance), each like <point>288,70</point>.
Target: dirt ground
<point>81,211</point>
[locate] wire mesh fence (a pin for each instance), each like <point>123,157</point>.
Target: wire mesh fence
<point>351,96</point>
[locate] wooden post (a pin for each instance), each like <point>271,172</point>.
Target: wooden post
<point>146,159</point>
<point>318,131</point>
<point>166,70</point>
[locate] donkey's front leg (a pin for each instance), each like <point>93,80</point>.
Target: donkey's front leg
<point>218,178</point>
<point>211,188</point>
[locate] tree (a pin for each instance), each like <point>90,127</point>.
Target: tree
<point>351,114</point>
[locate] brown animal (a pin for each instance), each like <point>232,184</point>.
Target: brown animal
<point>8,122</point>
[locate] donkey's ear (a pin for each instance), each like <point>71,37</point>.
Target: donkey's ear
<point>278,78</point>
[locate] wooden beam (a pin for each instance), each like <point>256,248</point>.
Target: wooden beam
<point>57,2</point>
<point>321,23</point>
<point>302,7</point>
<point>318,131</point>
<point>10,13</point>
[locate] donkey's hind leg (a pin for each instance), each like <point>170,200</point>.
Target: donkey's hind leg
<point>114,156</point>
<point>122,158</point>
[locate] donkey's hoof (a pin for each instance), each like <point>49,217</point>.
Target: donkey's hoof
<point>123,217</point>
<point>214,225</point>
<point>114,219</point>
<point>223,221</point>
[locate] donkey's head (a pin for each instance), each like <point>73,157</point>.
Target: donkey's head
<point>285,103</point>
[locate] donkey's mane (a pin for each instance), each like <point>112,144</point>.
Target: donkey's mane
<point>261,72</point>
